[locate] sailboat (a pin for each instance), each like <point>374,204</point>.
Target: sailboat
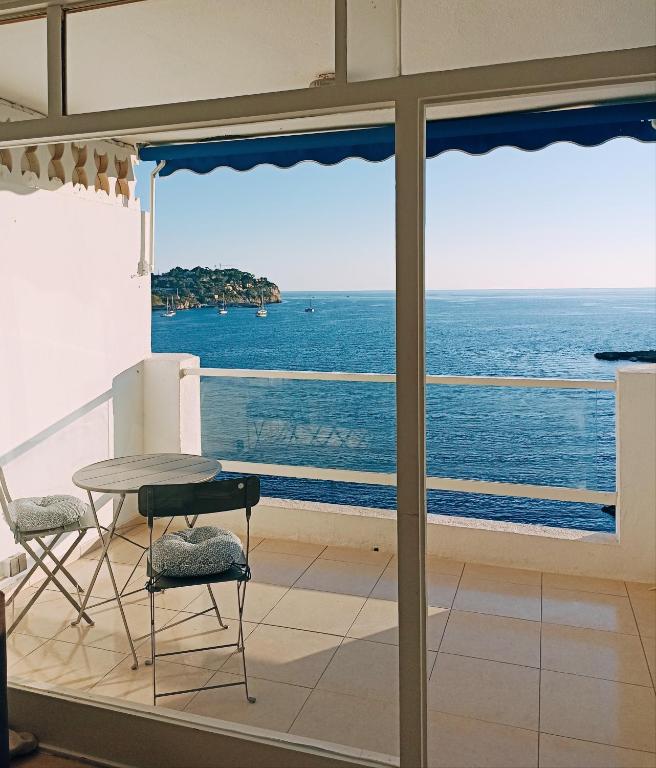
<point>223,310</point>
<point>261,312</point>
<point>170,309</point>
<point>310,308</point>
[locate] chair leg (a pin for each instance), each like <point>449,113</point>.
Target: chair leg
<point>151,602</point>
<point>240,602</point>
<point>50,578</point>
<point>216,607</point>
<point>60,563</point>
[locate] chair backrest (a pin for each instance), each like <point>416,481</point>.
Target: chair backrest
<point>5,498</point>
<point>192,499</point>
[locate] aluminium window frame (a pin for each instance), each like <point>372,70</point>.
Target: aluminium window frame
<point>500,87</point>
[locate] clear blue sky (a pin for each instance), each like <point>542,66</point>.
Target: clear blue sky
<point>563,217</point>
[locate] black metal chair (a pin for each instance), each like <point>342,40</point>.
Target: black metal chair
<point>192,500</point>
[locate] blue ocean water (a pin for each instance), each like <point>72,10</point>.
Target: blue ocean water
<point>540,436</point>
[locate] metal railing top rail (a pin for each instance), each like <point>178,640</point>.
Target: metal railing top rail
<point>390,378</point>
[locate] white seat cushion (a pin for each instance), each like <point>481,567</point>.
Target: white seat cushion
<point>196,552</point>
<point>42,513</point>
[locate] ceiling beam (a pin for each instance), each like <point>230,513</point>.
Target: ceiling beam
<point>568,74</point>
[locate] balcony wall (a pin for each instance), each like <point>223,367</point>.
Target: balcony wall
<point>75,314</point>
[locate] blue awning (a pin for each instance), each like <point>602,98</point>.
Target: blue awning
<point>530,131</point>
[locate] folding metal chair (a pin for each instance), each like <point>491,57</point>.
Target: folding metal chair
<point>26,538</point>
<point>192,500</point>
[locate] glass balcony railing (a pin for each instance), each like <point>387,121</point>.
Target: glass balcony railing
<point>331,438</point>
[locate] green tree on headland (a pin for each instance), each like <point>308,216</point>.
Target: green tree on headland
<point>202,286</point>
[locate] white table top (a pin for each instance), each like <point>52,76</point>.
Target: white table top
<point>127,474</point>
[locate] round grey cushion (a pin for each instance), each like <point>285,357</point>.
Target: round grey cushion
<point>196,552</point>
<point>41,513</point>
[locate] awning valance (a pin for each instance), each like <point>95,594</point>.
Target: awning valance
<point>530,131</point>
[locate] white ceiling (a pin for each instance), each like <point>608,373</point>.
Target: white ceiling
<point>160,51</point>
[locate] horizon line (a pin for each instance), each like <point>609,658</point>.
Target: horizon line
<point>463,290</point>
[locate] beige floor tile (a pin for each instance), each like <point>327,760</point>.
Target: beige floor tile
<point>460,742</point>
<point>498,573</point>
<point>516,601</point>
<point>288,547</point>
<point>485,690</point>
<point>109,632</point>
<point>641,589</point>
<point>199,632</point>
<point>277,568</point>
<point>67,665</point>
<point>340,578</point>
<point>594,653</point>
<point>361,668</point>
<point>276,707</point>
<point>351,721</point>
<point>352,555</point>
<point>316,611</point>
<point>445,565</point>
<point>496,638</point>
<point>84,568</point>
<point>649,646</point>
<point>47,617</point>
<point>588,609</point>
<point>584,584</point>
<point>178,599</point>
<point>120,550</point>
<point>286,655</point>
<point>26,594</point>
<point>365,669</point>
<point>260,599</point>
<point>598,710</point>
<point>137,685</point>
<point>19,646</point>
<point>559,752</point>
<point>440,587</point>
<point>644,609</point>
<point>378,621</point>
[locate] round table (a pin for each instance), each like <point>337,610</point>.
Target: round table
<point>127,474</point>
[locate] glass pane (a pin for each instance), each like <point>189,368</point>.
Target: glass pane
<point>23,70</point>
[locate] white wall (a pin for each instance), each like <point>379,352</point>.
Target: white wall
<point>74,314</point>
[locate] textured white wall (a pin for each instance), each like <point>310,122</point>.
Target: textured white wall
<point>450,34</point>
<point>74,314</point>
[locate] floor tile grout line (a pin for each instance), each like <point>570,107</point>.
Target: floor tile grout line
<point>602,743</point>
<point>652,673</point>
<point>330,661</point>
<point>343,637</point>
<point>439,645</point>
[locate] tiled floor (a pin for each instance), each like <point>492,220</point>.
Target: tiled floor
<point>526,669</point>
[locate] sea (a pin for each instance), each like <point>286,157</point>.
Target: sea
<point>558,437</point>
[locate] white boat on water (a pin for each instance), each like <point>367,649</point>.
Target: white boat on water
<point>310,308</point>
<point>261,312</point>
<point>170,309</point>
<point>223,310</point>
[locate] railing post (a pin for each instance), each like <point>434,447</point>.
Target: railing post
<point>171,405</point>
<point>636,460</point>
<point>410,431</point>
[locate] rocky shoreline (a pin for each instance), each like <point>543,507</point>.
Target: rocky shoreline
<point>641,356</point>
